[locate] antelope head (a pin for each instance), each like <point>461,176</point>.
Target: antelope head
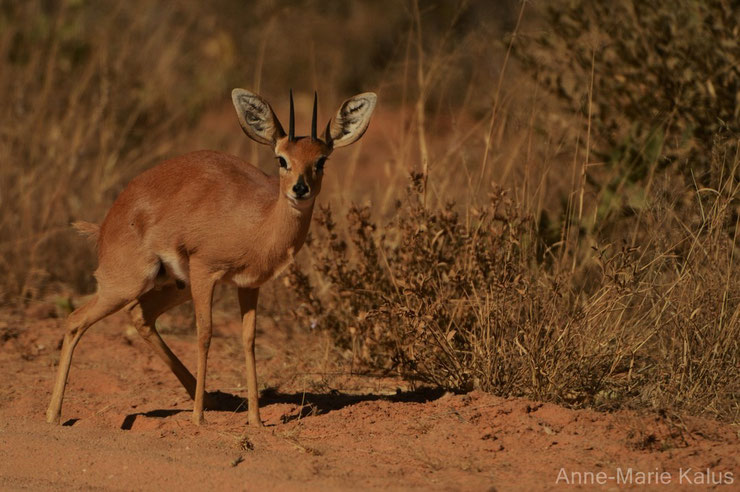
<point>302,159</point>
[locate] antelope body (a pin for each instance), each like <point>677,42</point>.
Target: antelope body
<point>207,217</point>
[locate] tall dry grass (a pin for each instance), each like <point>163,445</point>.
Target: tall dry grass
<point>554,288</point>
<point>87,106</point>
<point>487,245</point>
<point>465,298</point>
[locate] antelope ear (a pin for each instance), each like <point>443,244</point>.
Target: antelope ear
<point>351,120</point>
<point>257,118</point>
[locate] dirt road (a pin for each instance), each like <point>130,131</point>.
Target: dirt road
<point>127,424</point>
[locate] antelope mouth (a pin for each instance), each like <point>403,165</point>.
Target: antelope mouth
<point>300,201</point>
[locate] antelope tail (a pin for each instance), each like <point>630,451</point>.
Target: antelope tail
<point>87,229</point>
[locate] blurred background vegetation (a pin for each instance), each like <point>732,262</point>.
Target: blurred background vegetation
<point>546,202</point>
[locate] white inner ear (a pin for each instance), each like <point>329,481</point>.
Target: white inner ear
<point>352,119</point>
<point>256,117</point>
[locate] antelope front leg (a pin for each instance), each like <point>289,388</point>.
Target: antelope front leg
<point>201,287</point>
<point>248,305</point>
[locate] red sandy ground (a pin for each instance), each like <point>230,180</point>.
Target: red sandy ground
<point>128,423</point>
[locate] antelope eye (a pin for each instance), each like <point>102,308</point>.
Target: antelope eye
<point>283,163</point>
<point>320,164</point>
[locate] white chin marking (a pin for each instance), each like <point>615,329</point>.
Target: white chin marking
<point>300,203</point>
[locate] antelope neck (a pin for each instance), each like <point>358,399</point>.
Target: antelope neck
<point>289,223</point>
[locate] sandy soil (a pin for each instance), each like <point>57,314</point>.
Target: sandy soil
<point>127,424</point>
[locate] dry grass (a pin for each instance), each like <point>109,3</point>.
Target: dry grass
<point>469,302</point>
<point>486,244</point>
<point>85,112</point>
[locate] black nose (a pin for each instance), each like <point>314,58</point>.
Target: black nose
<point>300,189</point>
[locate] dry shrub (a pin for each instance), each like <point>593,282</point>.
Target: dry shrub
<point>406,298</point>
<point>464,300</point>
<point>456,301</point>
<point>628,300</point>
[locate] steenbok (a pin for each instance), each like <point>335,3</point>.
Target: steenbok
<point>207,217</point>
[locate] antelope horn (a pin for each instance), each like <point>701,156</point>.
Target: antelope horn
<point>291,128</point>
<point>313,120</point>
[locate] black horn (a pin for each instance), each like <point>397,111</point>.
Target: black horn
<point>313,120</point>
<point>291,128</point>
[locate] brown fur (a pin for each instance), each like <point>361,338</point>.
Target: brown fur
<point>257,224</point>
<point>199,219</point>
